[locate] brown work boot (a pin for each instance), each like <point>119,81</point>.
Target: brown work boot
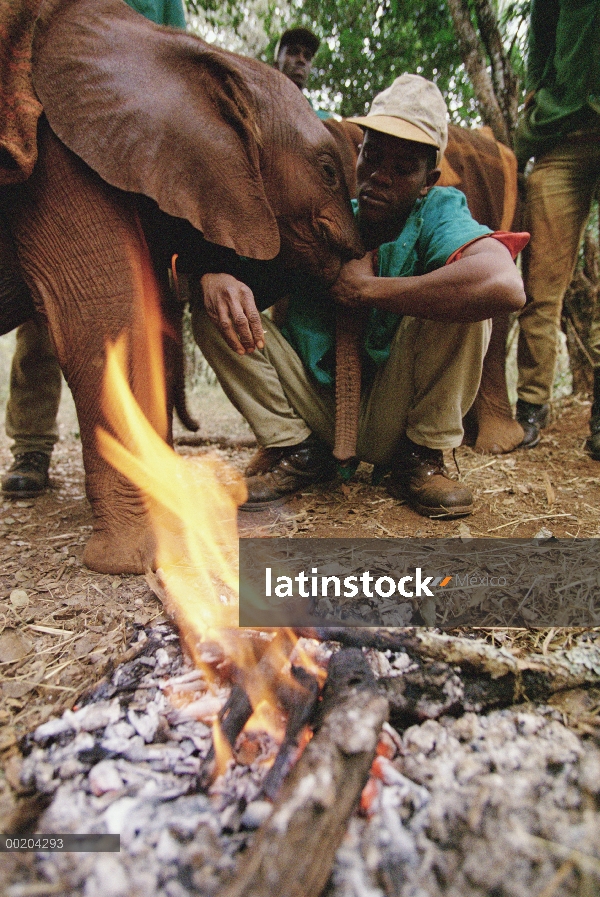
<point>263,460</point>
<point>284,471</point>
<point>420,476</point>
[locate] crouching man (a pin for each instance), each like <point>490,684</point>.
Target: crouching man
<point>431,279</point>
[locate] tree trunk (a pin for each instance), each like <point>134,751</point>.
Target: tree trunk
<point>474,58</point>
<point>504,80</point>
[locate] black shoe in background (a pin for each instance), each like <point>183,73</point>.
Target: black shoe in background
<point>532,418</point>
<point>593,443</point>
<point>27,476</point>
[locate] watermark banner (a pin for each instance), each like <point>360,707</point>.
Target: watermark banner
<point>429,582</point>
<point>67,843</point>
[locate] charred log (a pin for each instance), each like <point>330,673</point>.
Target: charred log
<point>300,702</point>
<point>294,850</point>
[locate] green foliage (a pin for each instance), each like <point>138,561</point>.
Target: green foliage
<point>514,20</point>
<point>364,45</point>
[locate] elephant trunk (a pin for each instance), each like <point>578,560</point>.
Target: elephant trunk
<point>350,326</point>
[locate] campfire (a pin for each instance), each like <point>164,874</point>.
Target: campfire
<point>273,676</point>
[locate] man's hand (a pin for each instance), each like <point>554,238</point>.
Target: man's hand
<point>230,305</point>
<point>350,287</point>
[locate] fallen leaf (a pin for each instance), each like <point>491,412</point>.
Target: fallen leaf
<point>12,771</point>
<point>464,532</point>
<point>16,689</point>
<point>19,598</point>
<point>8,737</point>
<point>84,645</point>
<point>142,617</point>
<point>13,646</point>
<point>427,608</point>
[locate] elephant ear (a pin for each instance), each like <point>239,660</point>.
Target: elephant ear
<point>159,112</point>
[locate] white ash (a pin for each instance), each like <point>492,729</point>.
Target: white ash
<point>129,762</point>
<point>475,806</point>
<point>467,807</point>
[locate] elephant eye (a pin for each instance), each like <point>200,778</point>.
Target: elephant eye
<point>330,173</point>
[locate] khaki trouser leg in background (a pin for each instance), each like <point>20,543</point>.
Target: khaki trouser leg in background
<point>560,190</point>
<point>424,389</point>
<point>35,385</point>
<point>594,338</point>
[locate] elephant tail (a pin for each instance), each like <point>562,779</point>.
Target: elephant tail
<point>178,384</point>
<point>183,414</point>
<point>175,362</point>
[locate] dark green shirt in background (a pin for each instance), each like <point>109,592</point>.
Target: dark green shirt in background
<point>563,68</point>
<point>163,12</point>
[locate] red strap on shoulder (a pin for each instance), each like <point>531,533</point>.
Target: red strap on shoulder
<point>513,242</point>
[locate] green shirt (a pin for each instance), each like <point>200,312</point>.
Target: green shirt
<point>163,12</point>
<point>437,226</point>
<point>322,113</point>
<point>563,68</point>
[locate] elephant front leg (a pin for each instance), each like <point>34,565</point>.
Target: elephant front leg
<point>86,262</point>
<point>497,431</point>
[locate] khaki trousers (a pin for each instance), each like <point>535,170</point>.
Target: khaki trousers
<point>424,389</point>
<point>35,384</point>
<point>560,190</point>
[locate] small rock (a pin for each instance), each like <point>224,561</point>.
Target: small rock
<point>51,729</point>
<point>94,716</point>
<point>257,812</point>
<point>145,724</point>
<point>103,777</point>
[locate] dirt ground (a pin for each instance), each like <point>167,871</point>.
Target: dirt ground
<point>60,624</point>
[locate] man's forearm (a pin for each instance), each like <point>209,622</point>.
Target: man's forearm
<point>483,283</point>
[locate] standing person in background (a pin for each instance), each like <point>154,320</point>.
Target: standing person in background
<point>294,55</point>
<point>35,377</point>
<point>560,127</point>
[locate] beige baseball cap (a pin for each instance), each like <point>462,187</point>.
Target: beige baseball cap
<point>411,108</point>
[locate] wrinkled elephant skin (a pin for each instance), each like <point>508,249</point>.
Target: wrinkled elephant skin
<point>226,145</point>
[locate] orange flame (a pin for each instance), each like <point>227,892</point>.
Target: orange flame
<point>223,752</point>
<point>191,503</point>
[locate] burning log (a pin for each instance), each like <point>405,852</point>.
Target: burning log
<point>300,703</point>
<point>294,850</point>
<point>235,714</point>
<point>262,676</point>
